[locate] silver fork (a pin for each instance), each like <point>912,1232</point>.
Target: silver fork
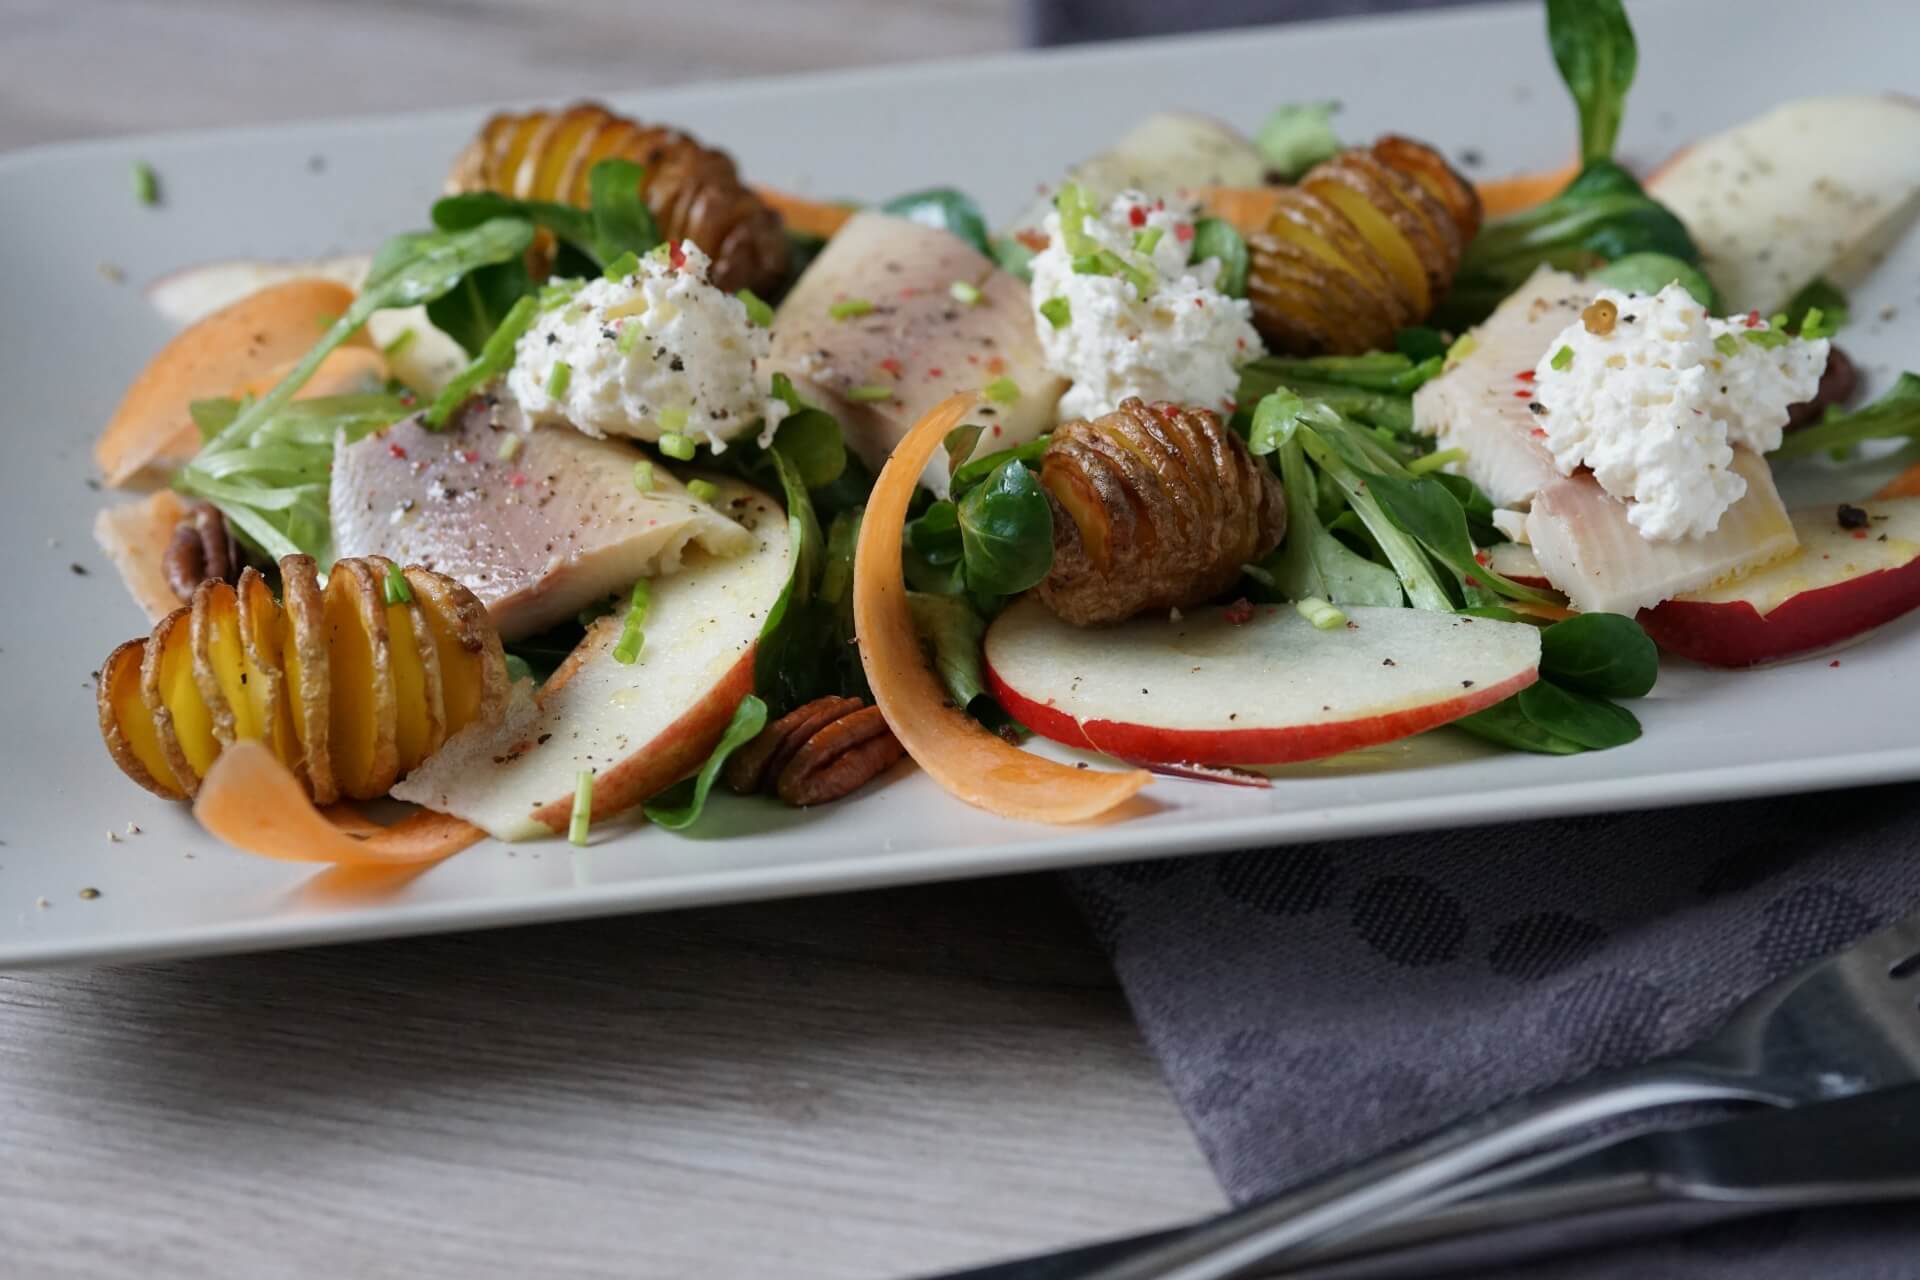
<point>1842,1026</point>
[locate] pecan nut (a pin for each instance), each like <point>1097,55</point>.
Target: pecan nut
<point>818,752</point>
<point>840,759</point>
<point>202,549</point>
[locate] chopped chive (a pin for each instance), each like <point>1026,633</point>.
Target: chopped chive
<point>146,184</point>
<point>1778,320</point>
<point>1001,391</point>
<point>759,314</point>
<point>1562,359</point>
<point>662,252</point>
<point>1436,460</point>
<point>672,419</point>
<point>629,339</point>
<point>1147,239</point>
<point>643,476</point>
<point>848,308</point>
<point>556,292</point>
<point>1058,311</point>
<point>1727,345</point>
<point>1767,339</point>
<point>1462,347</point>
<point>1075,207</point>
<point>868,392</point>
<point>395,588</point>
<point>1814,324</point>
<point>404,339</point>
<point>623,266</point>
<point>509,447</point>
<point>677,446</point>
<point>964,292</point>
<point>558,379</point>
<point>1105,262</point>
<point>1322,615</point>
<point>632,635</point>
<point>582,809</point>
<point>703,490</point>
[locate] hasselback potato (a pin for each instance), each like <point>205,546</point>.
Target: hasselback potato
<point>1365,243</point>
<point>350,685</point>
<point>1154,507</point>
<point>694,191</point>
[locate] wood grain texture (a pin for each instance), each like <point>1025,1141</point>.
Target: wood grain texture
<point>859,1086</point>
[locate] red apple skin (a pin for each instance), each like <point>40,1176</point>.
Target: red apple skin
<point>1139,743</point>
<point>1735,634</point>
<point>677,751</point>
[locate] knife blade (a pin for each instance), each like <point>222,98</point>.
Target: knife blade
<point>1857,1150</point>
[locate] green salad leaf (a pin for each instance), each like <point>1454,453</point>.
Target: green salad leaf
<point>622,222</point>
<point>1388,371</point>
<point>945,209</point>
<point>1006,531</point>
<point>1312,561</point>
<point>1593,45</point>
<point>680,806</point>
<point>975,470</point>
<point>265,467</point>
<point>1218,239</point>
<point>1651,272</point>
<point>1604,654</point>
<point>1823,296</point>
<point>953,633</point>
<point>809,436</point>
<point>1895,415</point>
<point>1296,137</point>
<point>494,359</point>
<point>1015,258</point>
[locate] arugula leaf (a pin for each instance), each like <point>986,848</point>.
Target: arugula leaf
<point>1894,415</point>
<point>1006,532</point>
<point>680,806</point>
<point>945,209</point>
<point>1415,571</point>
<point>475,308</point>
<point>273,485</point>
<point>1604,654</point>
<point>1593,46</point>
<point>471,208</point>
<point>953,633</point>
<point>1218,239</point>
<point>411,270</point>
<point>1296,137</point>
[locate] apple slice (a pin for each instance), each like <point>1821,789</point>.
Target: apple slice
<point>1516,562</point>
<point>638,727</point>
<point>1269,690</point>
<point>1847,578</point>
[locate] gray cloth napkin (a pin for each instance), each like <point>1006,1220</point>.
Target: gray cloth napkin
<point>1315,1004</point>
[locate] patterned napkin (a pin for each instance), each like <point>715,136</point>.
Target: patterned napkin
<point>1316,1004</point>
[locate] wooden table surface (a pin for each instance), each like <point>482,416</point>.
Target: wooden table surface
<point>862,1086</point>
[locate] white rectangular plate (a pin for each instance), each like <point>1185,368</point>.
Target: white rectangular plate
<point>1472,81</point>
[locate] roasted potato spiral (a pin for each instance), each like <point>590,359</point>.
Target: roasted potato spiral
<point>349,686</point>
<point>1154,507</point>
<point>1364,244</point>
<point>695,192</point>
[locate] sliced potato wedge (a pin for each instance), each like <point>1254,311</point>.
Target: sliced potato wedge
<point>303,656</point>
<point>473,666</point>
<point>419,699</point>
<point>363,715</point>
<point>181,720</point>
<point>128,726</point>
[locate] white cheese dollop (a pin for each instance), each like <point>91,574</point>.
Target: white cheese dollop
<point>1182,340</point>
<point>1656,406</point>
<point>659,351</point>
